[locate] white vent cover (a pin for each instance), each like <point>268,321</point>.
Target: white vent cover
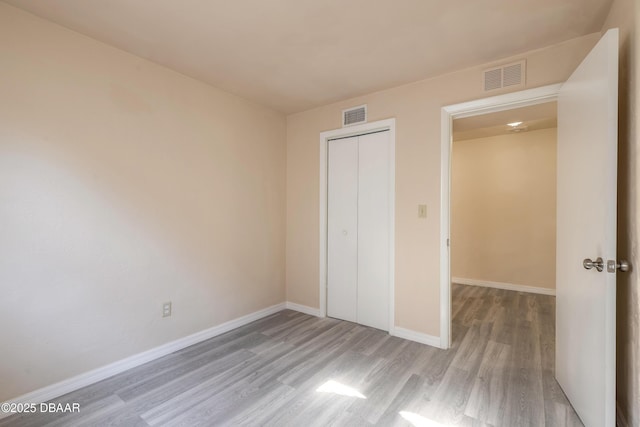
<point>354,116</point>
<point>509,75</point>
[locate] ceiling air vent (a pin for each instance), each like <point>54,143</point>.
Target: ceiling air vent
<point>509,75</point>
<point>354,116</point>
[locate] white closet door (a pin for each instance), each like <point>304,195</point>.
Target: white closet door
<point>342,229</point>
<point>373,230</point>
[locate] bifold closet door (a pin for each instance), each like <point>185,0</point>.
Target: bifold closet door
<point>373,230</point>
<point>342,229</point>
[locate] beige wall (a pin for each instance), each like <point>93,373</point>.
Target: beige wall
<point>628,301</point>
<point>417,109</point>
<point>123,185</point>
<point>503,208</point>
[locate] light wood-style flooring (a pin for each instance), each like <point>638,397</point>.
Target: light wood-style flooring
<point>291,369</point>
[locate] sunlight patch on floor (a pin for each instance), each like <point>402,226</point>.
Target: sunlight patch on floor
<point>335,387</point>
<point>418,420</point>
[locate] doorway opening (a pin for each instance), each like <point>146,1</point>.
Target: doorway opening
<point>503,199</point>
<point>474,109</point>
<point>503,237</point>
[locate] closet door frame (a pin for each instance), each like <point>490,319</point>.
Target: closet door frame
<point>381,125</point>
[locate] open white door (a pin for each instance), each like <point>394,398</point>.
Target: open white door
<point>586,228</point>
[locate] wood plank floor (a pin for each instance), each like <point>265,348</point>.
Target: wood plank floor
<point>292,369</point>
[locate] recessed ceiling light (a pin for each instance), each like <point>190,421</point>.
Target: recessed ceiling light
<point>514,124</point>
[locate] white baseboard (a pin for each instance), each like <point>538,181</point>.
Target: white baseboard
<point>303,309</point>
<point>621,421</point>
<point>71,384</point>
<point>501,285</point>
<point>395,331</point>
<point>410,335</point>
<point>91,377</point>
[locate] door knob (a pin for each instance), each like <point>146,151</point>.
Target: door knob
<point>613,266</point>
<point>598,264</point>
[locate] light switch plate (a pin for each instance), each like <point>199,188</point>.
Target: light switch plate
<point>166,309</point>
<point>422,211</point>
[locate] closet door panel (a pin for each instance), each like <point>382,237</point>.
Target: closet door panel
<point>373,230</point>
<point>342,229</point>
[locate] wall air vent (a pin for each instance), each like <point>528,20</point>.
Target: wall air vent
<point>354,116</point>
<point>506,76</point>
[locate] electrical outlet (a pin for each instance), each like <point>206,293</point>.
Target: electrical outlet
<point>422,211</point>
<point>166,309</point>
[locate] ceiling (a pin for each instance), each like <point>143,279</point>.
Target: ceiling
<point>534,117</point>
<point>292,55</point>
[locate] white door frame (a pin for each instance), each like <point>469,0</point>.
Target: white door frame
<point>457,111</point>
<point>381,125</point>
